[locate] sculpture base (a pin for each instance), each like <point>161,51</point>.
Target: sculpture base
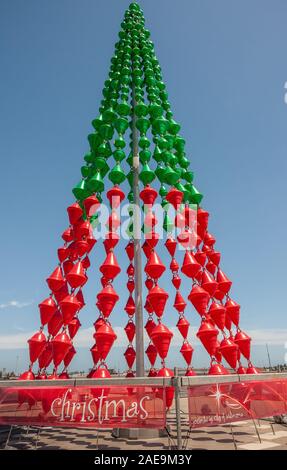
<point>139,433</point>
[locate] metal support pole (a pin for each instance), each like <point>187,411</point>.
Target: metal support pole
<point>137,248</point>
<point>177,412</point>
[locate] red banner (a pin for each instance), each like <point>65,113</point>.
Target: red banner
<point>84,406</point>
<point>211,405</point>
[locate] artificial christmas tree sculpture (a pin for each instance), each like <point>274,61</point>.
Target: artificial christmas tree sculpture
<point>135,100</point>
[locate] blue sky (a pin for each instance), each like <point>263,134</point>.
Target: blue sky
<point>225,68</point>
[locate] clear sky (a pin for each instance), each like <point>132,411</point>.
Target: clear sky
<point>224,63</point>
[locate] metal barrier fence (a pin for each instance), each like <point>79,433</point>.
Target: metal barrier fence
<point>181,385</point>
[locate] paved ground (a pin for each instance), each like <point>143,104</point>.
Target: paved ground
<point>264,434</point>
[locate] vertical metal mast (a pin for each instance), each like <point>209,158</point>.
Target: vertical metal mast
<point>137,247</point>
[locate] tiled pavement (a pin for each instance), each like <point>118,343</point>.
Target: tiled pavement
<point>239,436</point>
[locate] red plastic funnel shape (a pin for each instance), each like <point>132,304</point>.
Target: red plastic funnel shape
<point>150,326</point>
<point>91,205</point>
<point>75,212</point>
<point>151,353</point>
<point>68,235</point>
<point>233,311</point>
<point>63,253</point>
<point>61,345</point>
<point>73,327</point>
<point>130,356</point>
<point>190,266</point>
<point>46,356</point>
<point>199,299</point>
<point>55,281</point>
<point>174,267</point>
<point>174,197</point>
<point>211,267</point>
<point>169,391</point>
<point>176,281</point>
<point>224,284</point>
<point>217,369</point>
<point>243,341</point>
<point>95,353</point>
<point>170,245</point>
<point>200,257</point>
<point>111,240</point>
<point>130,250</point>
<point>208,283</point>
<point>47,309</point>
<point>179,302</point>
<point>148,195</point>
<point>101,373</point>
<point>110,268</point>
<point>207,334</point>
<point>99,322</point>
<point>81,248</point>
<point>107,299</point>
<point>69,356</point>
<point>115,196</point>
<point>187,352</point>
<point>36,345</point>
<point>55,323</point>
<point>183,326</point>
<point>130,330</point>
<point>214,257</point>
<point>77,277</point>
<point>217,313</point>
<point>157,297</point>
<point>69,307</point>
<point>202,217</point>
<point>154,267</point>
<point>229,351</point>
<point>105,338</point>
<point>130,307</point>
<point>161,338</point>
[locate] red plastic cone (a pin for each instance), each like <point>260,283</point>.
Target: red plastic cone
<point>252,370</point>
<point>190,372</point>
<point>187,352</point>
<point>46,356</point>
<point>148,195</point>
<point>199,299</point>
<point>229,351</point>
<point>130,356</point>
<point>217,313</point>
<point>179,302</point>
<point>169,391</point>
<point>174,267</point>
<point>55,324</point>
<point>67,266</point>
<point>75,213</point>
<point>157,297</point>
<point>69,356</point>
<point>55,281</point>
<point>69,307</point>
<point>208,283</point>
<point>202,217</point>
<point>130,330</point>
<point>111,240</point>
<point>101,373</point>
<point>130,307</point>
<point>91,205</point>
<point>241,370</point>
<point>130,250</point>
<point>151,353</point>
<point>99,322</point>
<point>207,334</point>
<point>214,257</point>
<point>68,235</point>
<point>131,286</point>
<point>183,326</point>
<point>154,267</point>
<point>61,345</point>
<point>73,327</point>
<point>224,284</point>
<point>161,338</point>
<point>115,196</point>
<point>95,353</point>
<point>176,281</point>
<point>63,253</point>
<point>190,266</point>
<point>80,298</point>
<point>209,240</point>
<point>211,268</point>
<point>130,270</point>
<point>37,344</point>
<point>105,338</point>
<point>171,246</point>
<point>243,341</point>
<point>150,326</point>
<point>110,268</point>
<point>77,277</point>
<point>217,369</point>
<point>107,299</point>
<point>27,375</point>
<point>47,309</point>
<point>233,311</point>
<point>200,257</point>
